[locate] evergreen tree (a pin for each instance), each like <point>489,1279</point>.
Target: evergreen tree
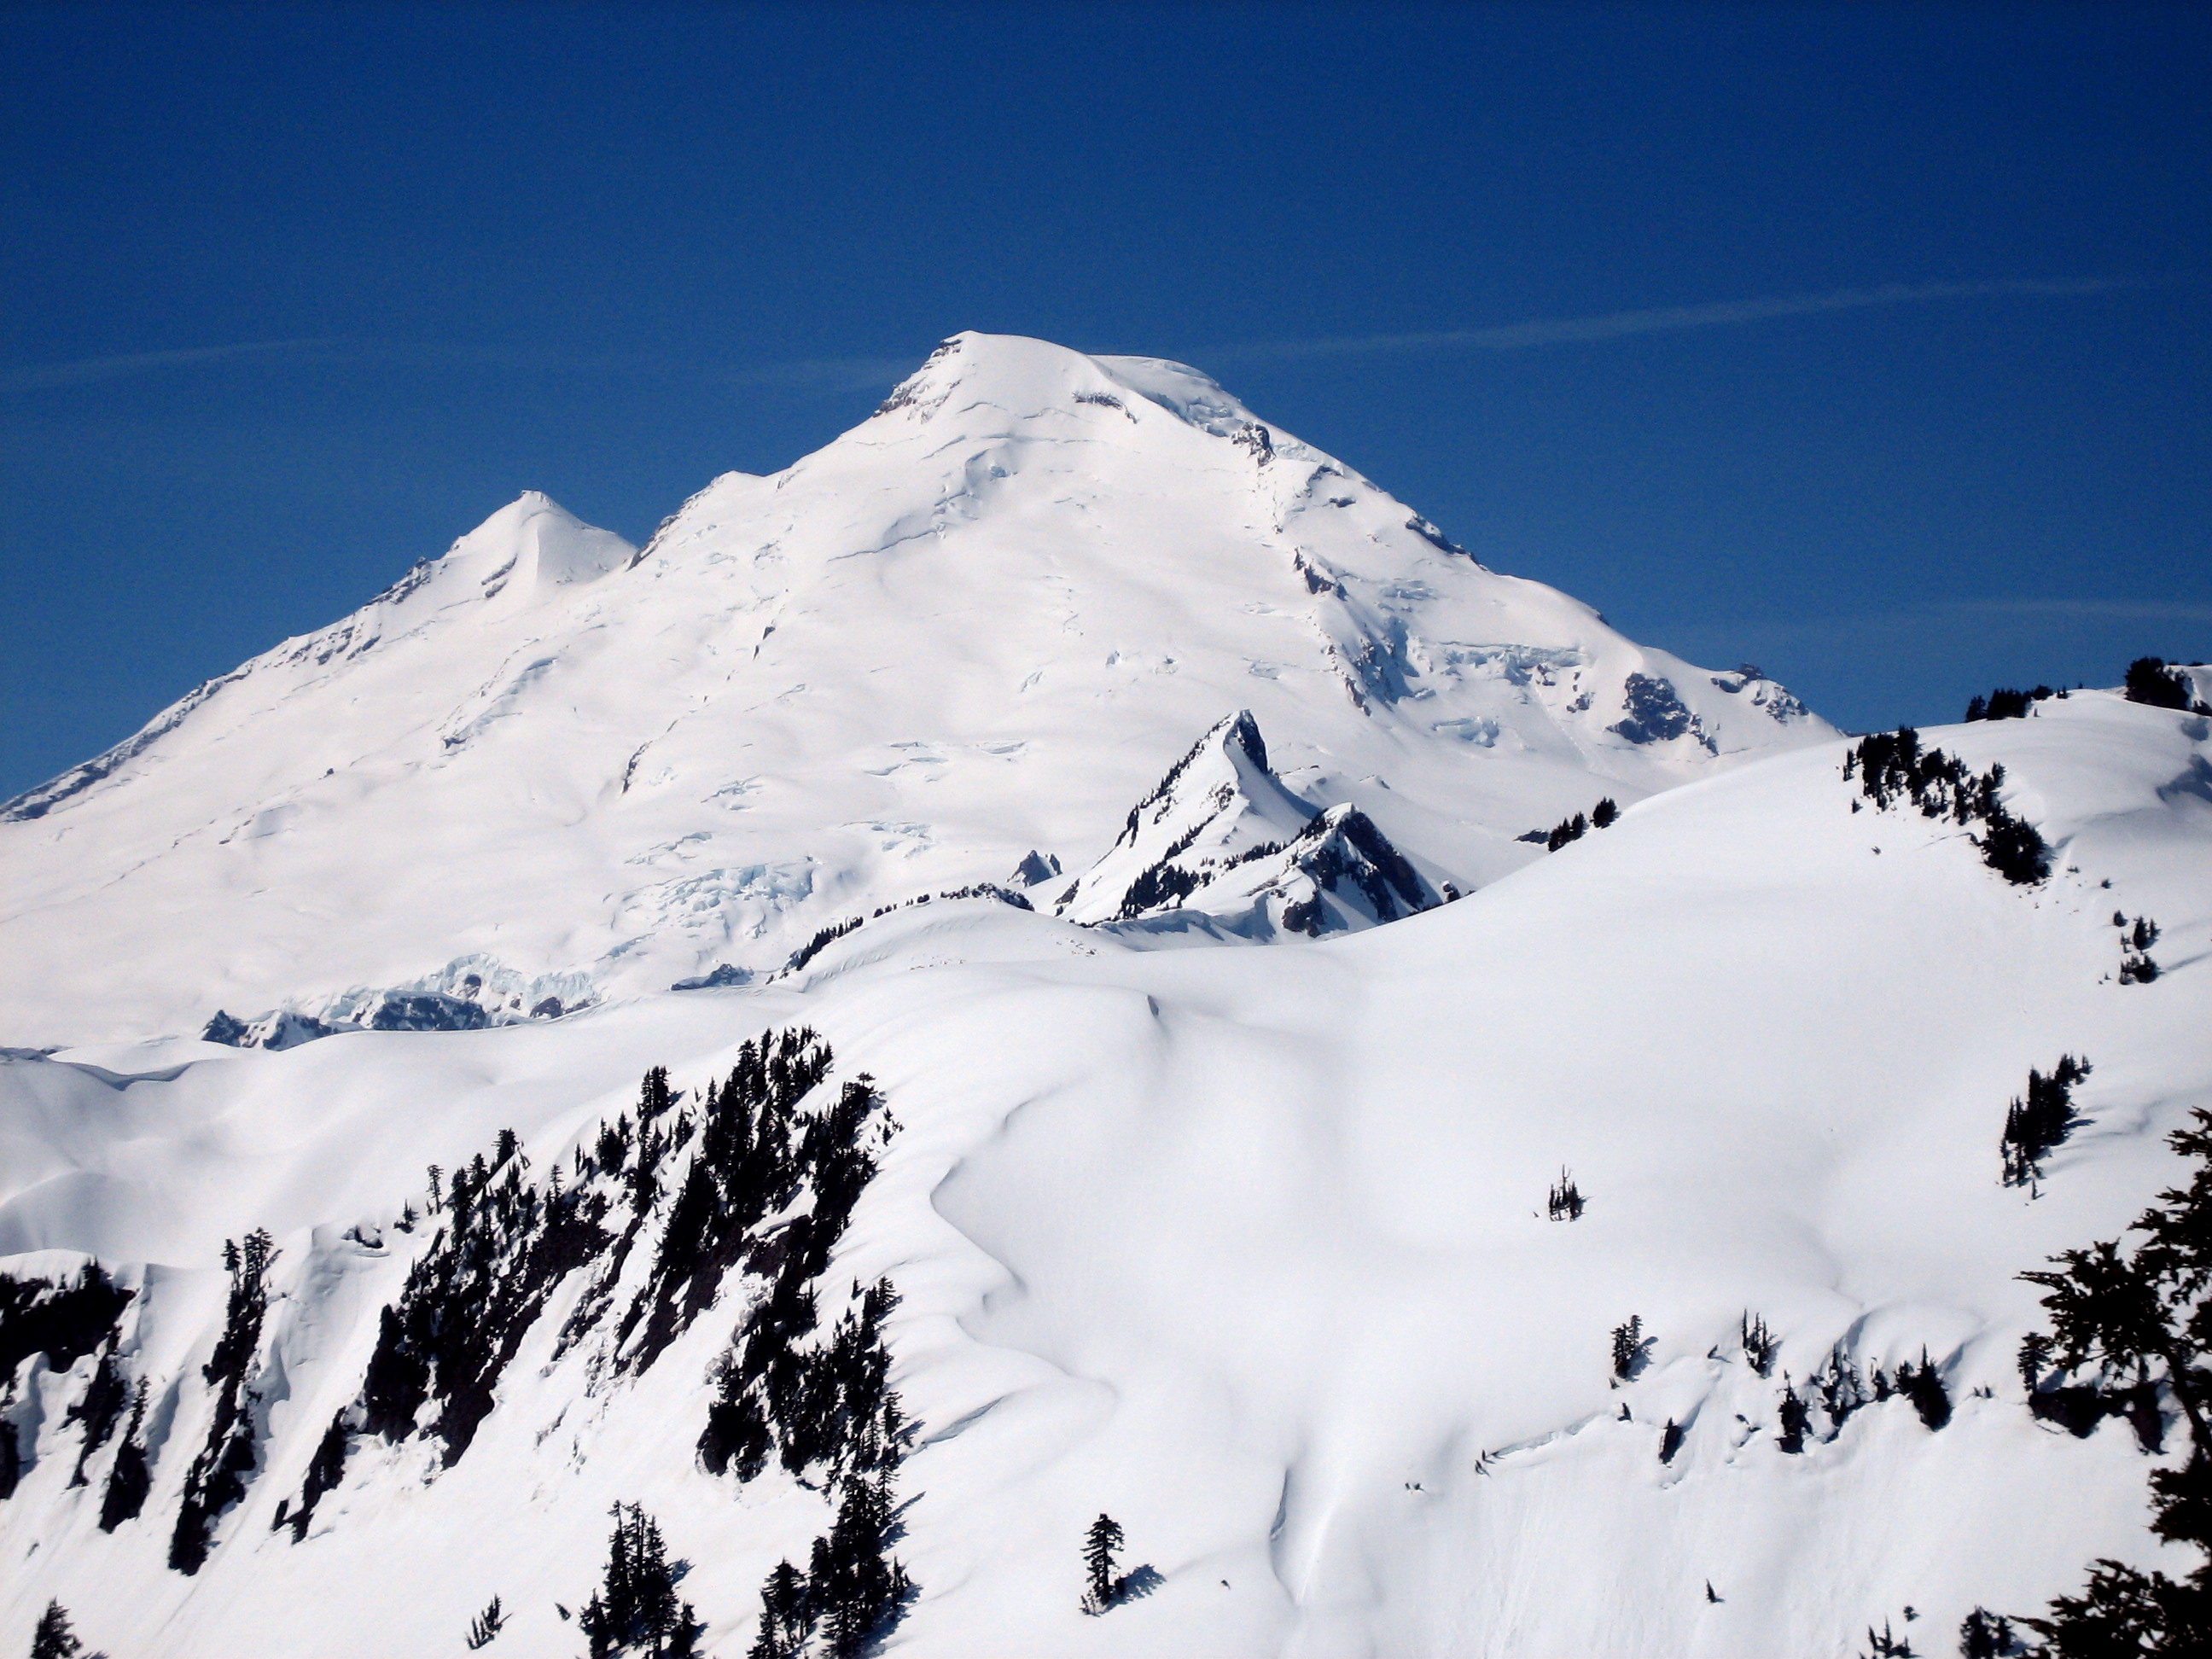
<point>2136,1317</point>
<point>1985,1635</point>
<point>856,1584</point>
<point>217,1477</point>
<point>486,1625</point>
<point>129,1479</point>
<point>1758,1344</point>
<point>2037,1125</point>
<point>1628,1348</point>
<point>1604,813</point>
<point>636,1611</point>
<point>1795,1419</point>
<point>1101,1545</point>
<point>1565,1202</point>
<point>787,1614</point>
<point>54,1639</point>
<point>2150,681</point>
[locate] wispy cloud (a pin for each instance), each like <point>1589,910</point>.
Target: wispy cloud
<point>1616,325</point>
<point>87,371</point>
<point>837,372</point>
<point>843,374</point>
<point>2122,610</point>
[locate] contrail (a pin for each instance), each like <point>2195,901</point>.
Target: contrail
<point>89,370</point>
<point>840,372</point>
<point>860,372</point>
<point>1560,330</point>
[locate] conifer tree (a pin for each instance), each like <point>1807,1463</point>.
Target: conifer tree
<point>1985,1635</point>
<point>54,1639</point>
<point>2150,681</point>
<point>787,1614</point>
<point>1565,1202</point>
<point>1758,1344</point>
<point>1628,1348</point>
<point>2142,1316</point>
<point>486,1625</point>
<point>636,1611</point>
<point>129,1479</point>
<point>1101,1545</point>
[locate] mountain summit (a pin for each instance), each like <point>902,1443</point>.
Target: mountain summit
<point>979,624</point>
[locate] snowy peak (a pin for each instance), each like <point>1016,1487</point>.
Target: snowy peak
<point>533,546</point>
<point>1218,806</point>
<point>1340,874</point>
<point>968,628</point>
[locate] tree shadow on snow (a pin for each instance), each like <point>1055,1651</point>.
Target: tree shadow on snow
<point>1137,1584</point>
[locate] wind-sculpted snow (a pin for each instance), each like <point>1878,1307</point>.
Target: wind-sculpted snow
<point>1249,1249</point>
<point>977,626</point>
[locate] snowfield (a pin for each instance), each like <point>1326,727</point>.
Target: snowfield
<point>1249,1249</point>
<point>1165,1032</point>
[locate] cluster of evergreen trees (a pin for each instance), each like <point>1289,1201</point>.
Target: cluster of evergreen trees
<point>1892,766</point>
<point>1601,817</point>
<point>757,1151</point>
<point>2035,1126</point>
<point>1839,1388</point>
<point>772,1190</point>
<point>2135,1325</point>
<point>2152,681</point>
<point>853,1587</point>
<point>502,1245</point>
<point>637,1610</point>
<point>2005,704</point>
<point>1565,1202</point>
<point>218,1475</point>
<point>2137,937</point>
<point>65,1321</point>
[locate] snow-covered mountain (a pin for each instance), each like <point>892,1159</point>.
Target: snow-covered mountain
<point>544,769</point>
<point>760,1034</point>
<point>1249,1249</point>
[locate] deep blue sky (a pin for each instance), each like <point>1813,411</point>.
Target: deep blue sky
<point>609,252</point>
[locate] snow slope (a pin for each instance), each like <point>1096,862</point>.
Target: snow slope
<point>1249,1248</point>
<point>980,624</point>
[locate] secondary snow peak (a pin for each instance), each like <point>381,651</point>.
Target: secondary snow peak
<point>532,544</point>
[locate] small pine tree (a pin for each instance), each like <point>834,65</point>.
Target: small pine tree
<point>1565,1202</point>
<point>1758,1344</point>
<point>486,1625</point>
<point>1794,1419</point>
<point>1670,1441</point>
<point>1604,813</point>
<point>54,1639</point>
<point>1985,1635</point>
<point>1628,1348</point>
<point>787,1614</point>
<point>1101,1545</point>
<point>1881,1644</point>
